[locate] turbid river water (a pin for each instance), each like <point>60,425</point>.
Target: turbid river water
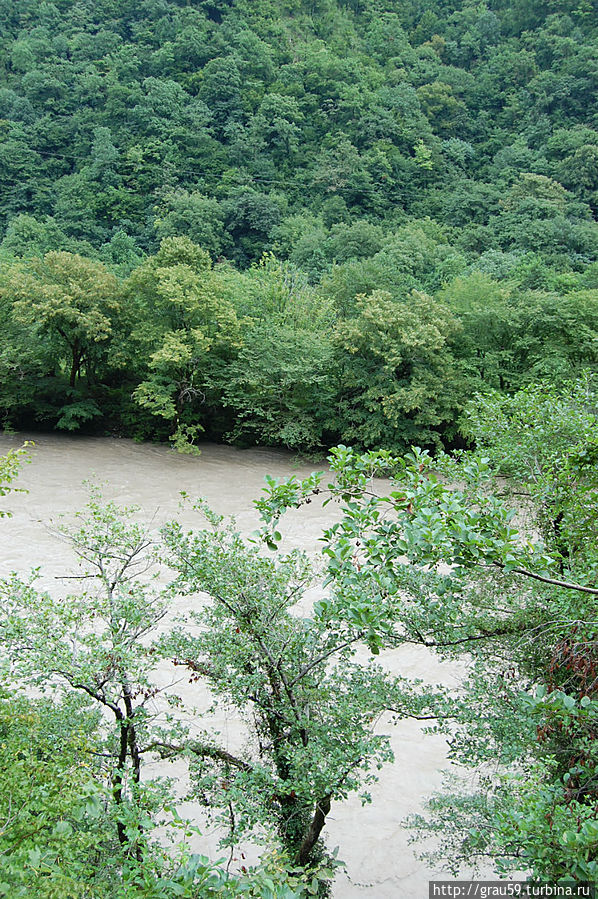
<point>372,840</point>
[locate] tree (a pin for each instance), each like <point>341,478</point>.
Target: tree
<point>309,704</point>
<point>65,309</point>
<point>221,90</point>
<point>340,170</point>
<point>55,830</point>
<point>26,361</point>
<point>251,215</point>
<point>26,236</point>
<point>375,150</point>
<point>97,649</point>
<point>394,366</point>
<point>486,343</point>
<point>277,123</point>
<point>279,386</point>
<point>538,214</point>
<point>353,241</point>
<point>544,438</point>
<point>77,812</point>
<point>68,298</point>
<point>437,560</point>
<point>558,333</point>
<point>444,111</point>
<point>195,216</point>
<point>189,328</point>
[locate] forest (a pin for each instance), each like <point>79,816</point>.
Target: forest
<point>293,224</point>
<point>353,227</point>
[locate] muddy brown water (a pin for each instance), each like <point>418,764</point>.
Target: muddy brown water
<point>372,840</point>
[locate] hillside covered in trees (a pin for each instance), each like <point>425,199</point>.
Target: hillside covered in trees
<point>293,222</point>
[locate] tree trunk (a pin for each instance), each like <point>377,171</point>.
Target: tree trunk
<point>315,828</point>
<point>135,759</point>
<point>117,777</point>
<point>76,363</point>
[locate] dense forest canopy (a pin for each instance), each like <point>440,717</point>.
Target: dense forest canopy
<point>124,123</point>
<point>398,197</point>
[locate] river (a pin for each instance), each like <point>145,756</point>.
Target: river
<point>372,840</point>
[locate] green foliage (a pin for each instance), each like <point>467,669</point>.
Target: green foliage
<point>188,327</point>
<point>52,813</point>
<point>73,415</point>
<point>94,648</point>
<point>374,150</point>
<point>395,370</point>
<point>58,842</point>
<point>439,559</point>
<point>10,464</point>
<point>545,437</point>
<point>486,344</point>
<point>279,387</point>
<point>443,553</point>
<point>312,703</point>
<point>194,216</point>
<point>78,811</point>
<point>68,299</point>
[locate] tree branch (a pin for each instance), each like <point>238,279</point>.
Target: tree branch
<point>321,658</point>
<point>553,582</point>
<point>165,750</point>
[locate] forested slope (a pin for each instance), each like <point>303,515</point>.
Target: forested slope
<point>293,222</point>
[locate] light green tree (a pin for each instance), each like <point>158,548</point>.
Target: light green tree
<point>190,326</point>
<point>72,300</point>
<point>96,648</point>
<point>396,379</point>
<point>310,705</point>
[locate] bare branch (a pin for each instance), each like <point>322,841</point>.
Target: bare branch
<point>553,582</point>
<point>321,658</point>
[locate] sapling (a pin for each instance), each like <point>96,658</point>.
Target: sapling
<point>97,642</point>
